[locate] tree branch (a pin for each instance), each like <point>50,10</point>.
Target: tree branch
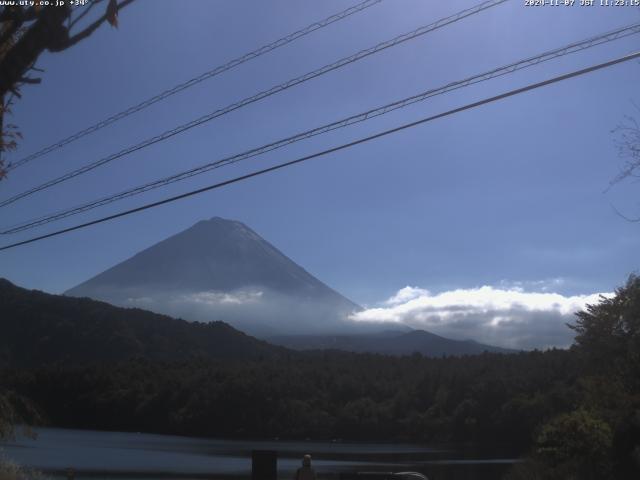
<point>48,30</point>
<point>30,81</point>
<point>18,13</point>
<point>12,19</point>
<point>85,12</point>
<point>88,30</point>
<point>620,214</point>
<point>11,28</point>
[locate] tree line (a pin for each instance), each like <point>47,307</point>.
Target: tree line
<point>575,413</point>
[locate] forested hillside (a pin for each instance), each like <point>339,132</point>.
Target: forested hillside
<point>574,410</point>
<point>321,395</point>
<point>38,328</point>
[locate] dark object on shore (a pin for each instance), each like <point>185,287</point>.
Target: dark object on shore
<point>305,472</point>
<point>383,476</point>
<point>264,465</point>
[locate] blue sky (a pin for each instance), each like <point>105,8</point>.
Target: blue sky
<point>510,194</point>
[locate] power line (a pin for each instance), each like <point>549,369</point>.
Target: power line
<point>384,133</point>
<point>194,81</point>
<point>503,70</point>
<point>264,94</point>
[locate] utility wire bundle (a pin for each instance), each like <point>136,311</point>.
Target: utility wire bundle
<point>259,96</point>
<point>281,42</point>
<point>342,123</point>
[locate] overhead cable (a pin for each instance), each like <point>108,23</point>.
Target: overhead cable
<point>279,166</point>
<point>361,117</point>
<point>259,96</point>
<point>195,80</point>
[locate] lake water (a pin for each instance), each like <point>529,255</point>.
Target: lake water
<point>120,455</point>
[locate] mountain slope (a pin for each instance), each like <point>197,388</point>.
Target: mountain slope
<point>388,343</point>
<point>221,269</point>
<point>38,328</point>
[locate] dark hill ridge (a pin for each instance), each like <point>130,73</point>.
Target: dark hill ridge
<point>38,328</point>
<point>190,273</point>
<point>388,343</point>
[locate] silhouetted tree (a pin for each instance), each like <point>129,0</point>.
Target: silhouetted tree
<point>608,334</point>
<point>6,417</point>
<point>628,146</point>
<point>576,445</point>
<point>92,365</point>
<point>26,32</point>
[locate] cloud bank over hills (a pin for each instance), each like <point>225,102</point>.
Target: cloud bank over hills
<point>506,316</point>
<point>222,270</point>
<point>259,311</point>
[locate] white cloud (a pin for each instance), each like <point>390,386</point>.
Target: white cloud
<point>255,310</point>
<point>510,317</point>
<point>406,294</point>
<point>546,285</point>
<point>239,297</point>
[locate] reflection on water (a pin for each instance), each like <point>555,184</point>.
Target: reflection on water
<point>138,455</point>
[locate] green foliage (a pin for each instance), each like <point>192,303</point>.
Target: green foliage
<point>12,471</point>
<point>577,410</point>
<point>38,328</point>
<point>600,437</point>
<point>6,417</point>
<point>14,410</point>
<point>576,444</point>
<point>608,335</point>
<point>316,394</point>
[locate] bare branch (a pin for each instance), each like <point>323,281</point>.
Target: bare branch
<point>89,29</point>
<point>628,146</point>
<point>47,31</point>
<point>30,81</point>
<point>24,34</point>
<point>620,214</point>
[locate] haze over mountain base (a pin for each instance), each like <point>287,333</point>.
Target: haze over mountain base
<point>222,270</point>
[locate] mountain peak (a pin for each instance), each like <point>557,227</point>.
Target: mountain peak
<point>216,223</point>
<point>218,263</point>
<point>221,228</point>
<point>219,221</point>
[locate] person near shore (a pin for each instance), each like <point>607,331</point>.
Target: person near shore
<point>305,472</point>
